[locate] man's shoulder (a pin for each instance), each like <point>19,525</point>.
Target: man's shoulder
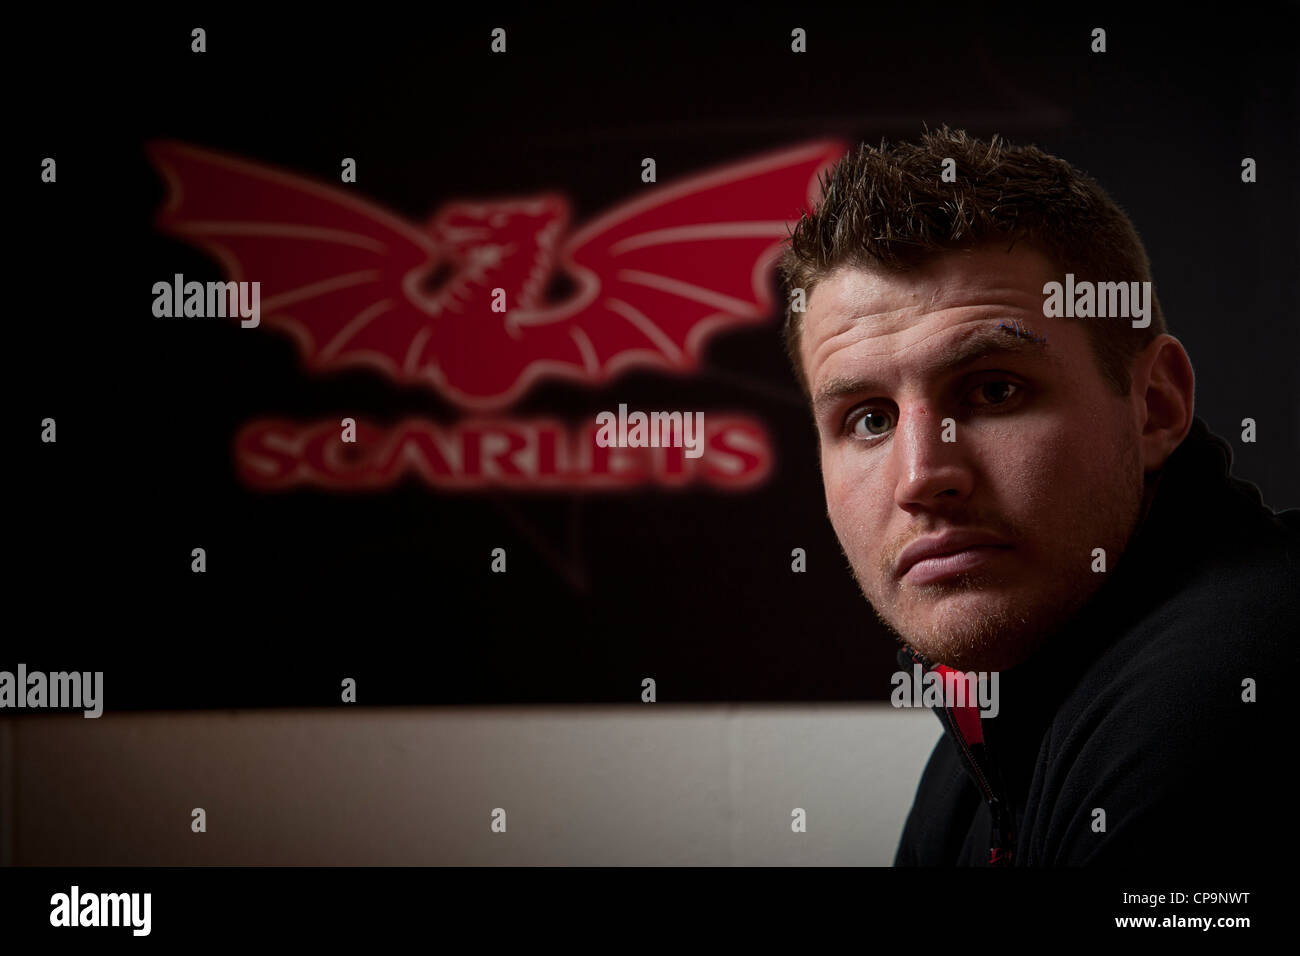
<point>1238,611</point>
<point>1200,652</point>
<point>1181,718</point>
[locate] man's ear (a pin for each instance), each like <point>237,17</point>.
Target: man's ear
<point>1164,393</point>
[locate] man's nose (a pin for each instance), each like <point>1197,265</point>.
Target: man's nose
<point>929,471</point>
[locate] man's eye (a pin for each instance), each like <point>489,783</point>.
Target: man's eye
<point>869,423</point>
<point>993,393</point>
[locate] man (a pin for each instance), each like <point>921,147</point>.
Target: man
<point>1024,489</point>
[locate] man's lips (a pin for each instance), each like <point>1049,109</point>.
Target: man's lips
<point>938,556</point>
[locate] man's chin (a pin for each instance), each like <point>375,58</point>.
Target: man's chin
<point>971,630</point>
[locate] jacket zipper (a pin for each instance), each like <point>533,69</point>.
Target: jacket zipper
<point>1002,848</point>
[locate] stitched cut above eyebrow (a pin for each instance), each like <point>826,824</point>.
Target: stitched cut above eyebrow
<point>1020,331</point>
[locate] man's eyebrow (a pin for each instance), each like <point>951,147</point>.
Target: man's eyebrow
<point>1007,338</point>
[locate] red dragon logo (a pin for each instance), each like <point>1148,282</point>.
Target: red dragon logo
<point>354,285</point>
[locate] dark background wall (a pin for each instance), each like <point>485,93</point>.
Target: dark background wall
<point>692,587</point>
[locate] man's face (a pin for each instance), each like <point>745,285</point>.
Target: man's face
<point>1043,465</point>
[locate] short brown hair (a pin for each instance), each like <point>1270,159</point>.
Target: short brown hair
<point>887,209</point>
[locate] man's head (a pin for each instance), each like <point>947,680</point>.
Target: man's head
<point>953,417</point>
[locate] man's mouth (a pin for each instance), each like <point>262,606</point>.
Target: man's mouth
<point>933,558</point>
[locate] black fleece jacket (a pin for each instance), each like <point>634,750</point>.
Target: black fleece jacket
<point>1136,707</point>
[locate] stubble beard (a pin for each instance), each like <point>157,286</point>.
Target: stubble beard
<point>991,624</point>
